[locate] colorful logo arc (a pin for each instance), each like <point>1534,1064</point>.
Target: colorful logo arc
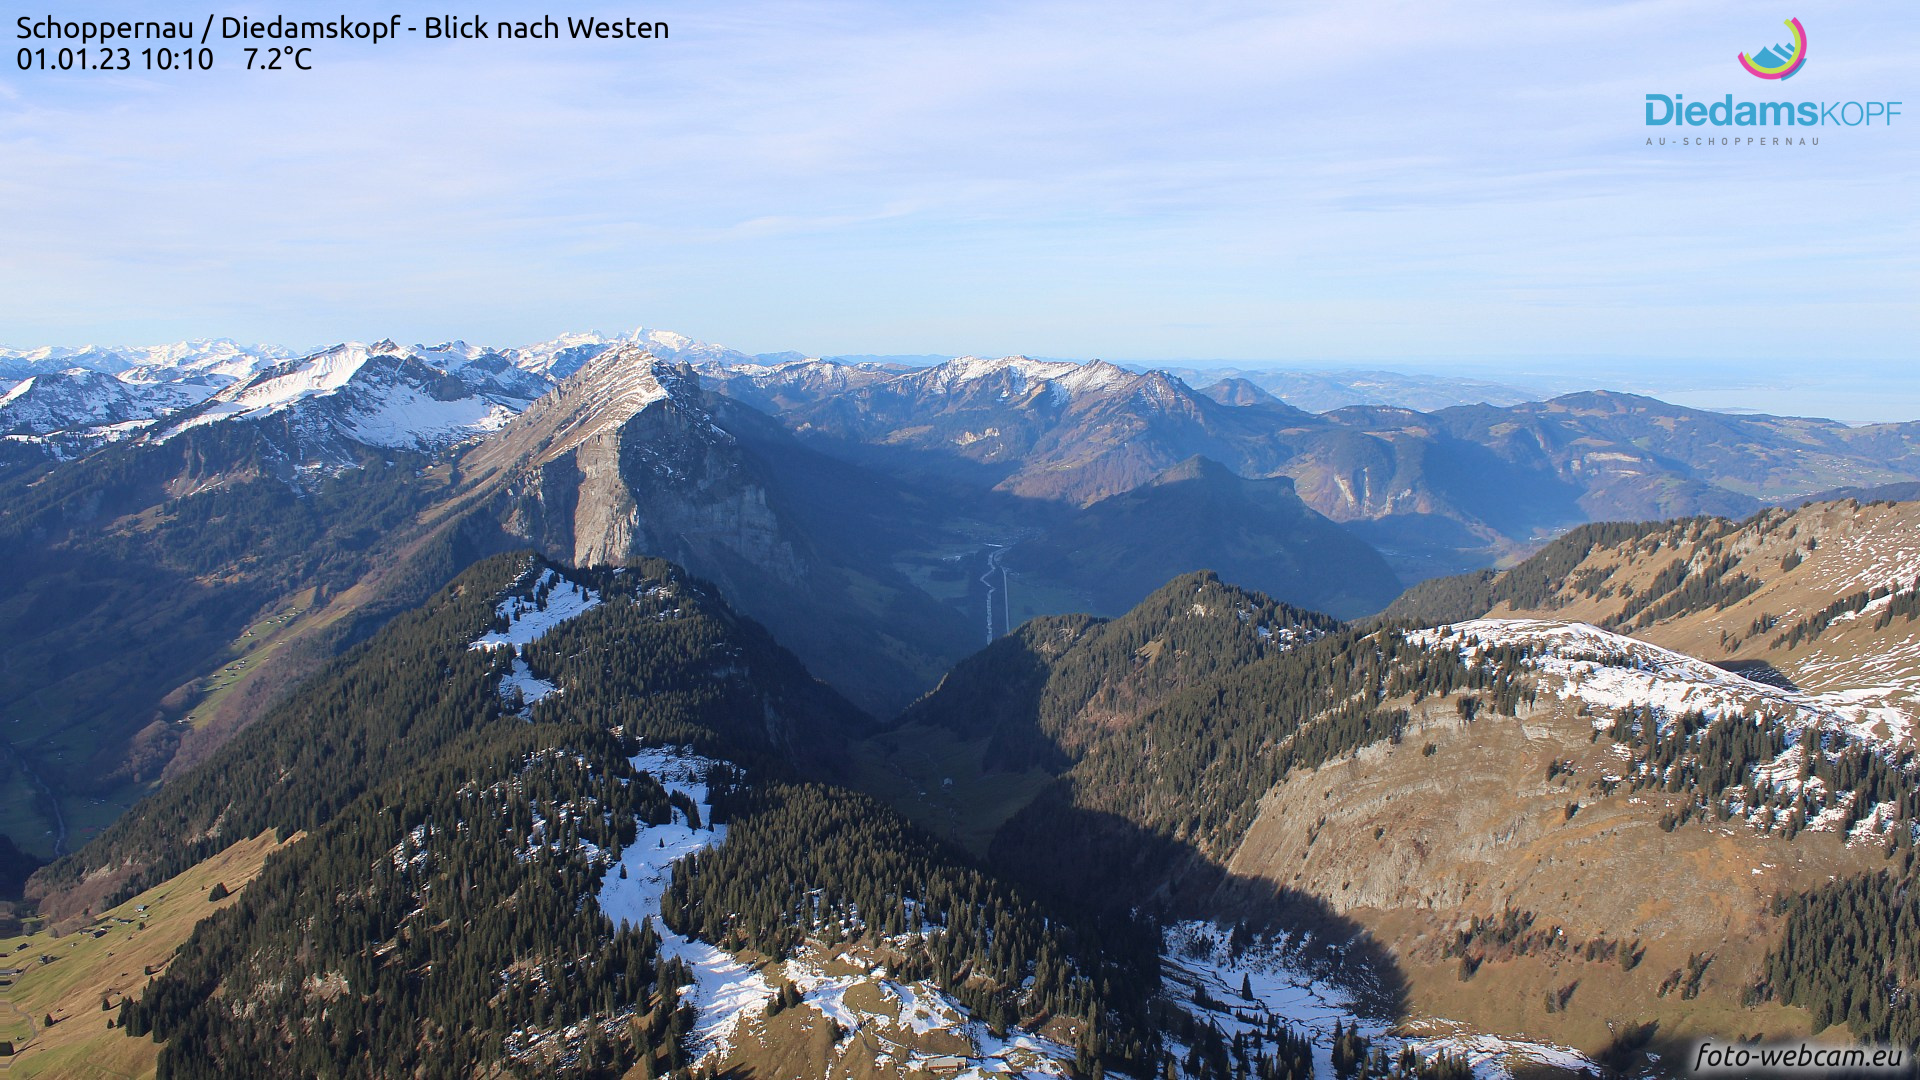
<point>1779,61</point>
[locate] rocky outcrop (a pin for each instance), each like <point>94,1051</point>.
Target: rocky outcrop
<point>625,459</point>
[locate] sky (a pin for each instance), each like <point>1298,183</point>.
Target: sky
<point>1455,188</point>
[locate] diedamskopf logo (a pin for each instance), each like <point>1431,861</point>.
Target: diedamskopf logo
<point>1779,61</point>
<point>1774,63</point>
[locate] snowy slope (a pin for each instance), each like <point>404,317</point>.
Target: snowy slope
<point>725,991</point>
<point>80,401</point>
<point>1609,673</point>
<point>1613,671</point>
<point>66,400</point>
<point>378,395</point>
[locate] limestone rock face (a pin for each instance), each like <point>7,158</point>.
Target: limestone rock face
<point>632,455</point>
<point>625,459</point>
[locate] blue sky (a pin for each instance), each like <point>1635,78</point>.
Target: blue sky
<point>1456,187</point>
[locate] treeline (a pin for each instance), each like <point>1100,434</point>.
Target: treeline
<point>440,917</point>
<point>703,676</point>
<point>458,849</point>
<point>1702,579</point>
<point>1685,586</point>
<point>1535,583</point>
<point>1901,604</point>
<point>1194,767</point>
<point>1167,725</point>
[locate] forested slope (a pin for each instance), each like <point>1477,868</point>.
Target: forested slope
<point>467,779</point>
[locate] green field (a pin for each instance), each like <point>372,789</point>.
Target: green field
<point>106,961</point>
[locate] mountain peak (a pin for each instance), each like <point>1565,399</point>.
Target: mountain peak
<point>610,390</point>
<point>1066,378</point>
<point>1237,391</point>
<point>74,398</point>
<point>1198,467</point>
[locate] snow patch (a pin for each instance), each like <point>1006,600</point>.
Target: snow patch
<point>533,607</point>
<point>725,991</point>
<point>1612,671</point>
<point>523,684</point>
<point>1206,976</point>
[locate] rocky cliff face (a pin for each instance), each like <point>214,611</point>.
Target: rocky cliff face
<point>625,459</point>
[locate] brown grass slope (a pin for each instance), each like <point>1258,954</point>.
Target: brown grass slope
<point>1460,820</point>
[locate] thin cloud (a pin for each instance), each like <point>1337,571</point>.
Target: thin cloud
<point>1369,180</point>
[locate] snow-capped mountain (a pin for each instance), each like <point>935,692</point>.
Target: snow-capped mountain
<point>1064,379</point>
<point>145,363</point>
<point>381,394</point>
<point>378,395</point>
<point>561,357</point>
<point>67,397</point>
<point>81,402</point>
<point>431,396</point>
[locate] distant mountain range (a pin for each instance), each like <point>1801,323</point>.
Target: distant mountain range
<point>1324,391</point>
<point>1436,491</point>
<point>882,517</point>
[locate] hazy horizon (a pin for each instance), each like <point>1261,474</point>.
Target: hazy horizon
<point>1375,185</point>
<point>1873,392</point>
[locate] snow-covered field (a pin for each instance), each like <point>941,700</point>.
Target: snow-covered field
<point>1198,957</point>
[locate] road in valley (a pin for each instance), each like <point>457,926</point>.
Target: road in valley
<point>997,573</point>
